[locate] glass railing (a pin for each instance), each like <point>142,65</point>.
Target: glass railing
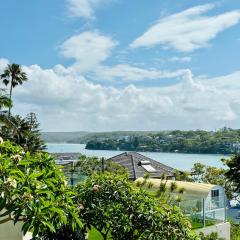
<point>204,212</point>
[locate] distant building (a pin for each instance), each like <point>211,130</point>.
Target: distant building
<point>138,165</point>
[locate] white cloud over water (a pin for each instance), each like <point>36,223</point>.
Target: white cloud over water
<point>188,30</point>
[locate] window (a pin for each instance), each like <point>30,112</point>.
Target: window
<point>149,168</point>
<point>215,193</point>
<point>215,199</point>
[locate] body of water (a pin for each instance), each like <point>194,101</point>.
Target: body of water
<point>179,161</point>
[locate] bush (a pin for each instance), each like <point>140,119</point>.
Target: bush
<point>34,190</point>
<point>235,231</point>
<point>212,236</point>
<point>111,205</point>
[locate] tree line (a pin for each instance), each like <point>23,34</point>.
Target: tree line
<point>222,141</point>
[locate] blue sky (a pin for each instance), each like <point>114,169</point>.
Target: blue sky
<point>167,62</point>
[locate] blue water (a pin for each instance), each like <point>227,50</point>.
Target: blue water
<point>179,161</point>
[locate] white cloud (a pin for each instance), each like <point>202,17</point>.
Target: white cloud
<point>180,59</point>
<point>125,72</point>
<point>3,64</point>
<point>88,49</point>
<point>66,102</point>
<point>84,8</point>
<point>188,30</point>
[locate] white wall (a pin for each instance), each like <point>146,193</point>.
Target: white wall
<point>223,230</point>
<point>9,231</point>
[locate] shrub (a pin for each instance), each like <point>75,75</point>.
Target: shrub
<point>110,204</point>
<point>34,190</point>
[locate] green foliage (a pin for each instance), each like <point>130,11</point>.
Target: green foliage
<point>212,236</point>
<point>22,131</point>
<point>92,165</point>
<point>197,172</point>
<point>212,175</point>
<point>14,76</point>
<point>233,171</point>
<point>5,101</point>
<point>33,190</point>
<point>235,231</point>
<point>110,204</point>
<point>223,141</point>
<point>183,176</point>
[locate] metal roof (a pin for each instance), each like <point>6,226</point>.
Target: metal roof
<point>192,190</point>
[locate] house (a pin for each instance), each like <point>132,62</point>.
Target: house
<point>138,165</point>
<point>197,198</point>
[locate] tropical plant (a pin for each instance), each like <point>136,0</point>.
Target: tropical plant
<point>13,75</point>
<point>34,191</point>
<point>112,206</point>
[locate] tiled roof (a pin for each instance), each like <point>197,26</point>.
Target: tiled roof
<point>138,164</point>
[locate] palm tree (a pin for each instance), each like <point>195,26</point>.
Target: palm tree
<point>14,76</point>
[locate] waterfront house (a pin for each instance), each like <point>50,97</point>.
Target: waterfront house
<point>138,165</point>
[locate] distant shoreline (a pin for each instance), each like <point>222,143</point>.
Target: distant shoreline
<point>79,153</point>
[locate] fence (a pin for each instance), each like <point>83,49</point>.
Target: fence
<point>205,212</point>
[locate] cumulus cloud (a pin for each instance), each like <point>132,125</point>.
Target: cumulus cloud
<point>84,8</point>
<point>67,102</point>
<point>188,30</point>
<point>88,49</point>
<point>3,63</point>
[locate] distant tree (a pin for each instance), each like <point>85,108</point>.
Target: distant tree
<point>14,76</point>
<point>212,175</point>
<point>182,176</point>
<point>197,172</point>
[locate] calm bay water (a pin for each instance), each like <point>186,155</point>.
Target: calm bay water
<point>179,161</point>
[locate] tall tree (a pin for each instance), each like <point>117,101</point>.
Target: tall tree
<point>14,76</point>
